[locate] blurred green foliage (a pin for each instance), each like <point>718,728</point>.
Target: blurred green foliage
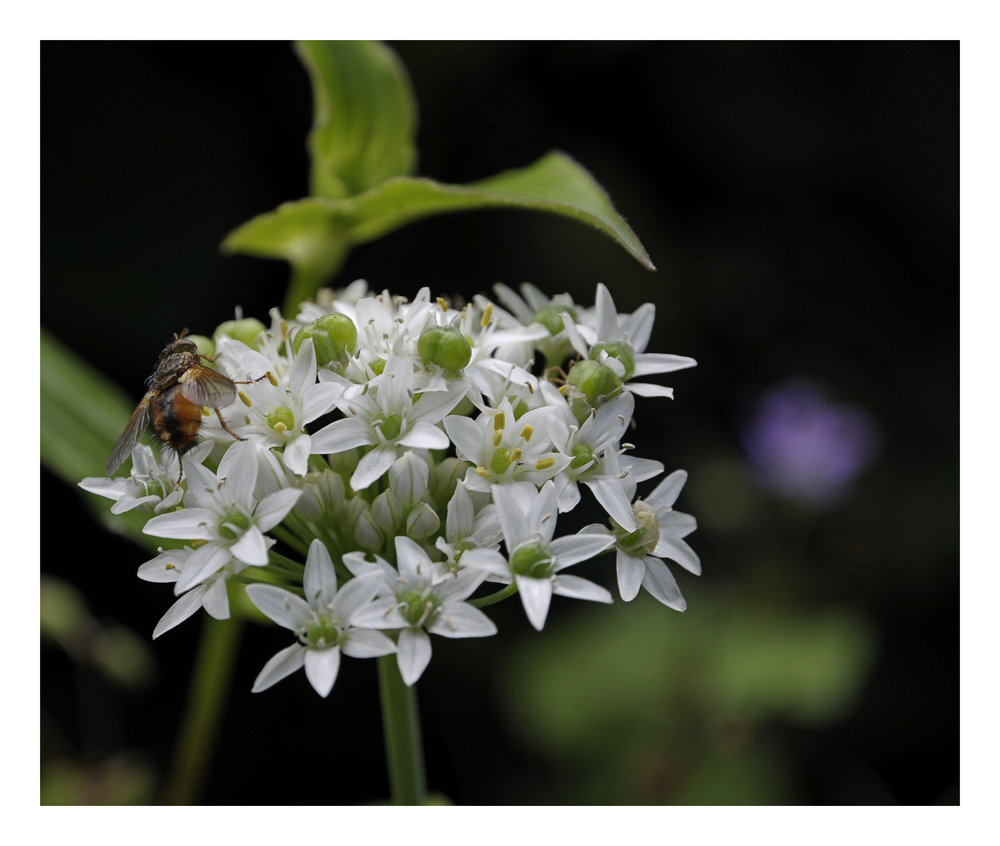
<point>635,689</point>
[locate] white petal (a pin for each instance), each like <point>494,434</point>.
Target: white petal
<point>638,326</point>
<point>127,503</point>
<point>677,550</point>
<point>536,594</point>
<point>646,389</point>
<point>630,573</point>
<point>180,610</point>
<point>343,435</point>
<point>241,474</point>
<point>459,619</point>
<point>577,588</point>
<point>286,609</point>
<point>571,549</point>
<point>354,595</point>
<point>319,399</point>
<point>434,406</point>
<point>660,363</point>
<point>166,567</point>
<point>283,664</point>
<point>423,435</point>
<point>666,493</point>
<point>574,335</point>
<point>660,582</point>
<point>296,454</point>
<point>676,523</point>
<point>201,564</point>
<point>216,600</point>
<point>274,507</point>
<point>611,495</point>
<point>381,614</point>
<point>189,524</point>
<point>320,580</point>
<point>372,466</point>
<point>414,654</point>
<point>607,316</point>
<point>365,643</point>
<point>251,547</point>
<point>321,668</point>
<point>460,514</point>
<point>302,373</point>
<point>468,437</point>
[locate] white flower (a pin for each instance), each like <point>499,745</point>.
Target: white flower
<point>618,341</point>
<point>150,486</point>
<point>658,534</point>
<point>534,558</point>
<point>421,597</point>
<point>537,309</point>
<point>323,622</point>
<point>469,535</point>
<point>593,448</point>
<point>388,421</point>
<point>226,516</point>
<point>276,410</point>
<point>210,594</point>
<point>505,450</point>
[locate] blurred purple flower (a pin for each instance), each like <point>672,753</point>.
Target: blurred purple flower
<point>802,444</point>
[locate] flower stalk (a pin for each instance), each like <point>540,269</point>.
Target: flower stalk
<point>401,726</point>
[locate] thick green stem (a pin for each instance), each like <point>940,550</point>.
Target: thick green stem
<point>206,700</point>
<point>401,723</point>
<point>482,602</point>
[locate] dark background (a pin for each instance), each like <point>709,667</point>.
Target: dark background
<point>801,204</point>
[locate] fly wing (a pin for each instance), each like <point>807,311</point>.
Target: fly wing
<point>133,431</point>
<point>206,387</point>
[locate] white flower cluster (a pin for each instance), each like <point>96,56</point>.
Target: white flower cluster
<point>445,464</point>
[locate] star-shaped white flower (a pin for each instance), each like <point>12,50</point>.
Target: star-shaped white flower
<point>618,341</point>
<point>389,421</point>
<point>210,594</point>
<point>658,534</point>
<point>420,598</point>
<point>534,558</point>
<point>323,622</point>
<point>226,516</point>
<point>505,450</point>
<point>150,486</point>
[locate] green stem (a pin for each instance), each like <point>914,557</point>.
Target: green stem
<point>206,700</point>
<point>286,537</point>
<point>401,724</point>
<point>482,602</point>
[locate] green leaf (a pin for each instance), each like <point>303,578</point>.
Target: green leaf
<point>314,234</point>
<point>364,116</point>
<point>82,414</point>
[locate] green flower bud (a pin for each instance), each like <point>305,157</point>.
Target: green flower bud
<point>445,347</point>
<point>620,351</point>
<point>245,330</point>
<point>551,317</point>
<point>281,419</point>
<point>597,382</point>
<point>332,335</point>
<point>532,559</point>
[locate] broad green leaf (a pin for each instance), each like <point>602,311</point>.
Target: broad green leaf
<point>314,234</point>
<point>82,415</point>
<point>364,116</point>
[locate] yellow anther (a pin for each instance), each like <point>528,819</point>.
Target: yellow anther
<point>483,472</point>
<point>272,378</point>
<point>545,463</point>
<point>527,432</point>
<point>244,398</point>
<point>563,389</point>
<point>206,411</point>
<point>487,316</point>
<point>499,421</point>
<point>196,543</point>
<point>515,456</point>
<point>171,567</point>
<point>442,303</point>
<point>497,438</point>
